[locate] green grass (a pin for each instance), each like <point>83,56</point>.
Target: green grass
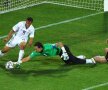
<point>86,36</point>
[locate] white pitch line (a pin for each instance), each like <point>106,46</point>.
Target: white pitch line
<point>67,21</point>
<point>96,86</point>
<point>63,22</point>
<point>3,36</point>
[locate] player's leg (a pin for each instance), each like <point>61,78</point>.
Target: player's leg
<point>106,51</point>
<point>22,46</point>
<point>11,43</point>
<point>67,51</point>
<point>4,50</point>
<point>74,60</point>
<point>100,59</point>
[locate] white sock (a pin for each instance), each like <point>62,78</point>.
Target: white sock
<point>1,54</point>
<point>21,54</point>
<point>19,62</point>
<point>81,57</point>
<point>88,61</point>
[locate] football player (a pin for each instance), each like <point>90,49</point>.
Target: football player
<point>19,36</point>
<point>56,49</point>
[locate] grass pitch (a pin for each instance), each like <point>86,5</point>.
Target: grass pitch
<point>85,36</point>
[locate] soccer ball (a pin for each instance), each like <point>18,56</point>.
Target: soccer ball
<point>9,65</point>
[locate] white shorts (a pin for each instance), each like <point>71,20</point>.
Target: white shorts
<point>15,41</point>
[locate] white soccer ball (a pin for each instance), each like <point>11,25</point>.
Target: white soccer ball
<point>9,65</point>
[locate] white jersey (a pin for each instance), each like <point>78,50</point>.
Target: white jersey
<point>23,32</point>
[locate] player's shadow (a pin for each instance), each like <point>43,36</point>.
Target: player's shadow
<point>58,72</point>
<point>55,72</point>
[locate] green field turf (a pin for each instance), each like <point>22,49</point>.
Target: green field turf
<point>85,36</point>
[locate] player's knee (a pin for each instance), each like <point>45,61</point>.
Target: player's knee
<point>106,50</point>
<point>96,58</point>
<point>22,47</point>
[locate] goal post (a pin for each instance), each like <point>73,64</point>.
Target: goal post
<point>11,5</point>
<point>105,5</point>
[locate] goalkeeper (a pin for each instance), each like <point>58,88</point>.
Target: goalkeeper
<point>53,50</point>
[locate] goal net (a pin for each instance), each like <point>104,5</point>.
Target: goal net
<point>86,4</point>
<point>10,5</point>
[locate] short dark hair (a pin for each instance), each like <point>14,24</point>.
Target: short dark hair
<point>30,19</point>
<point>38,44</point>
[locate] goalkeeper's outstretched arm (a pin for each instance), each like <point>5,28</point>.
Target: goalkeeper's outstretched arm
<point>26,59</point>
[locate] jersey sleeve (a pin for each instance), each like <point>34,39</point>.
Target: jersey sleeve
<point>32,33</point>
<point>54,45</point>
<point>17,26</point>
<point>34,54</point>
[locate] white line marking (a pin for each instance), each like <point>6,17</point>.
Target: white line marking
<point>66,21</point>
<point>62,22</point>
<point>3,36</point>
<point>96,86</point>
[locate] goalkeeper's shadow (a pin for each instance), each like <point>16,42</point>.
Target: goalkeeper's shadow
<point>58,72</point>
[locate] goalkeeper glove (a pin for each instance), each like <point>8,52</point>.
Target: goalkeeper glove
<point>65,56</point>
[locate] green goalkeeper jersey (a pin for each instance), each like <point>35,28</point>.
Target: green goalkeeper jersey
<point>48,50</point>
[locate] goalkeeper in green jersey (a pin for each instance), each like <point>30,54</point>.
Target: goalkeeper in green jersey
<point>53,50</point>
